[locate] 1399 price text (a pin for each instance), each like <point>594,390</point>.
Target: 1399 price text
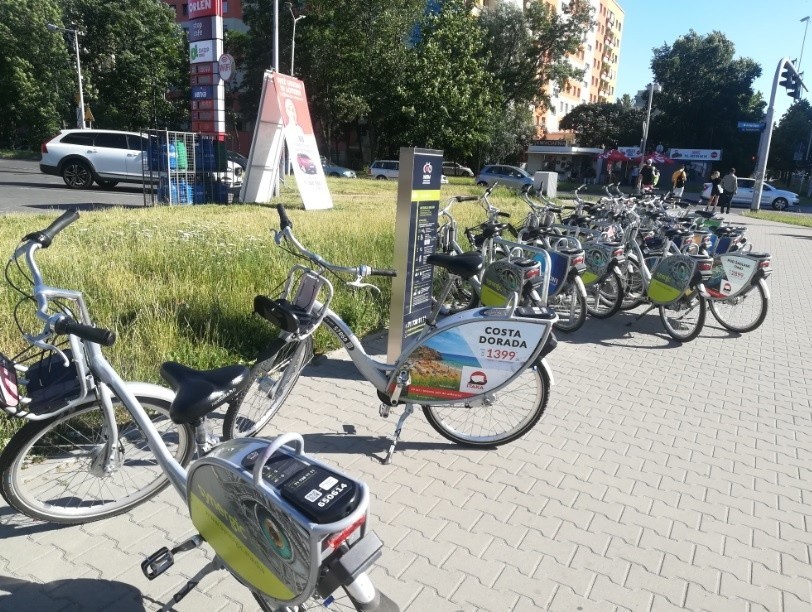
<point>499,354</point>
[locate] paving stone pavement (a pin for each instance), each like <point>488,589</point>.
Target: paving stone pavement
<point>661,477</point>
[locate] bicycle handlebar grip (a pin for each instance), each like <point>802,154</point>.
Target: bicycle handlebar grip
<point>468,198</point>
<point>384,272</point>
<point>46,236</point>
<point>98,335</point>
<point>284,220</point>
<point>503,214</point>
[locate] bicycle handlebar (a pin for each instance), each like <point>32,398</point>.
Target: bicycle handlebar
<point>99,335</point>
<point>287,233</point>
<point>46,236</point>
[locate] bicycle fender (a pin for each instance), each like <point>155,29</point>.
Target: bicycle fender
<point>579,284</point>
<point>151,390</point>
<point>547,369</point>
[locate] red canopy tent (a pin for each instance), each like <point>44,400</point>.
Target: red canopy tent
<point>614,156</point>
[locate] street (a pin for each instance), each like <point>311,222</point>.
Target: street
<point>23,188</point>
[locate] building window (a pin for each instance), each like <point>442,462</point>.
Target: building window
<point>185,9</point>
<point>225,7</point>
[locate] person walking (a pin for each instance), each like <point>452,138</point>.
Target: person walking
<point>715,189</point>
<point>647,176</point>
<point>678,180</point>
<point>730,185</point>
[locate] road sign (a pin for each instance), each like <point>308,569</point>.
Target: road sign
<point>226,66</point>
<point>751,126</point>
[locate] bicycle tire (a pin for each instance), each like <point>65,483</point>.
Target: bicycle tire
<point>467,425</point>
<point>634,287</point>
<point>724,310</point>
<point>59,453</point>
<point>570,306</point>
<point>462,296</point>
<point>679,326</point>
<point>340,600</point>
<point>608,296</point>
<point>272,380</point>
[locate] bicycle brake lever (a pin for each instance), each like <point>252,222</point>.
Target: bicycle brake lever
<point>40,343</point>
<point>357,283</point>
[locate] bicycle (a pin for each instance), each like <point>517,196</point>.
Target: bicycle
<point>480,375</point>
<point>283,524</point>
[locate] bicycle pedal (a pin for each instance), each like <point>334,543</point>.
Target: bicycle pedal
<point>384,410</point>
<point>157,563</point>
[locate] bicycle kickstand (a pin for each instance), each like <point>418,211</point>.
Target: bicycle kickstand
<point>407,410</point>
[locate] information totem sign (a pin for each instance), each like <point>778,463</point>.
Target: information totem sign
<point>418,204</point>
<point>205,33</point>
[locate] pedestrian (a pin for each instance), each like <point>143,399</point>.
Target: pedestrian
<point>633,176</point>
<point>730,185</point>
<point>678,180</point>
<point>715,189</point>
<point>647,176</point>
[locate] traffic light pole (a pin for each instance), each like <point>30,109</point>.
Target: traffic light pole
<point>792,81</point>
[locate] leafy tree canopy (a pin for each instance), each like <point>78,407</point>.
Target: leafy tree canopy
<point>606,125</point>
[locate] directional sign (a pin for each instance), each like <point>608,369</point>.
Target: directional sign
<point>751,126</point>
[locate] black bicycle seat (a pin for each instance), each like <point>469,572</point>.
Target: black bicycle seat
<point>466,265</point>
<point>198,392</point>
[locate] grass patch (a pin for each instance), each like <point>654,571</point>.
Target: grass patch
<point>788,218</point>
<point>19,154</point>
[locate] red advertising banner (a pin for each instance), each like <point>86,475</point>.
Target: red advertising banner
<point>201,79</point>
<point>206,127</point>
<point>203,68</point>
<point>294,114</point>
<point>205,8</point>
<point>202,105</point>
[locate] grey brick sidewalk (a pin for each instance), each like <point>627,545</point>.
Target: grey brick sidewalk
<point>662,477</point>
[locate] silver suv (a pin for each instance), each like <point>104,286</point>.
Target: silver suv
<point>107,157</point>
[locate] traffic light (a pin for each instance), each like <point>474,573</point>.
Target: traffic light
<point>791,80</point>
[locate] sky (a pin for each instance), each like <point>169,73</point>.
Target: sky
<point>763,30</point>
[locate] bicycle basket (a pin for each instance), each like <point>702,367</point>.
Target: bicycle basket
<point>38,382</point>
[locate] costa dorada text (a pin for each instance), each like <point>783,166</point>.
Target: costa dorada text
<point>503,336</point>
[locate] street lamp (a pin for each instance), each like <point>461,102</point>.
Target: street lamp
<point>81,114</point>
<point>652,87</point>
<point>293,36</point>
<point>805,21</point>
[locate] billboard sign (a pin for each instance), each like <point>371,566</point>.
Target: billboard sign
<point>711,155</point>
<point>205,8</point>
<point>201,29</point>
<point>202,51</point>
<point>202,92</point>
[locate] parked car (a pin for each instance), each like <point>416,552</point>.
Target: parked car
<point>455,169</point>
<point>238,158</point>
<point>384,169</point>
<point>507,176</point>
<point>107,157</point>
<point>778,199</point>
<point>336,171</point>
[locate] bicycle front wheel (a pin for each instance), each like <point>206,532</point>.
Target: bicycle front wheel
<point>570,306</point>
<point>603,299</point>
<point>683,320</point>
<point>744,312</point>
<point>508,414</point>
<point>272,380</point>
<point>55,470</point>
<point>634,287</point>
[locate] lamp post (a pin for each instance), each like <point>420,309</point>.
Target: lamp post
<point>293,35</point>
<point>81,114</point>
<point>805,21</point>
<point>652,87</point>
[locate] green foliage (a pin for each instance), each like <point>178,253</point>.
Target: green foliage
<point>706,92</point>
<point>604,125</point>
<point>791,137</point>
<point>36,71</point>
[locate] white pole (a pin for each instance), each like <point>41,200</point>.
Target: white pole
<point>276,35</point>
<point>764,143</point>
<point>79,73</point>
<point>651,87</point>
<point>805,20</point>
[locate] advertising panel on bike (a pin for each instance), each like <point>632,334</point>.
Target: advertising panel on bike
<point>467,360</point>
<point>730,274</point>
<point>670,278</point>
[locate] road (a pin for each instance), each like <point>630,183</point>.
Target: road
<point>23,188</point>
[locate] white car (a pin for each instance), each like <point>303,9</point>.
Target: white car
<point>383,169</point>
<point>778,199</point>
<point>107,157</point>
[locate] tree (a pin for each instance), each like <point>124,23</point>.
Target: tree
<point>791,138</point>
<point>135,62</point>
<point>605,125</point>
<point>706,92</point>
<point>529,49</point>
<point>37,73</point>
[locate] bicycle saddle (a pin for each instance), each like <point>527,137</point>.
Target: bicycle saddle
<point>466,265</point>
<point>198,392</point>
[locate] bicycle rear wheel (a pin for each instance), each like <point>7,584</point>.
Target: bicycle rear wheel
<point>744,312</point>
<point>462,295</point>
<point>570,306</point>
<point>684,319</point>
<point>634,287</point>
<point>510,413</point>
<point>53,470</point>
<point>273,379</point>
<point>603,299</point>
